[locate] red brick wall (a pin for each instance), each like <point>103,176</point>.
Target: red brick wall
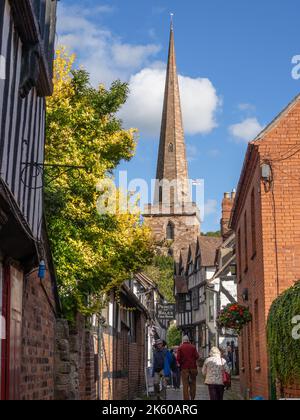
<point>137,361</point>
<point>38,328</point>
<point>292,392</point>
<point>122,364</point>
<point>278,234</point>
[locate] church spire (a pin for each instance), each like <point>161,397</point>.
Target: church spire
<point>173,218</point>
<point>172,163</point>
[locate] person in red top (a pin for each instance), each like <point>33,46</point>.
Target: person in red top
<point>187,357</point>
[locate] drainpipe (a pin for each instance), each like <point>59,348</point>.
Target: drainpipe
<point>99,358</point>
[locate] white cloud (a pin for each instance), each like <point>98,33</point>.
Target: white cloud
<point>246,107</point>
<point>199,102</point>
<point>247,130</point>
<point>107,58</point>
<point>101,52</point>
<point>131,56</point>
<point>210,207</point>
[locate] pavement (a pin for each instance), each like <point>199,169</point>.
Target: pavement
<point>201,394</point>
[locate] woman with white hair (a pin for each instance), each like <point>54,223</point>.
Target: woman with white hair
<point>217,374</point>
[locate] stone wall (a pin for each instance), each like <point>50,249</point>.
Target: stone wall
<point>74,362</point>
<point>186,229</point>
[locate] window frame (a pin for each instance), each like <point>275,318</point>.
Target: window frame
<point>196,298</point>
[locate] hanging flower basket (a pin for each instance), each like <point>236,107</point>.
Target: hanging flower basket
<point>234,317</point>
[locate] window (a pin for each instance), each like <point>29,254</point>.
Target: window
<point>246,242</point>
<point>253,224</point>
<point>171,148</point>
<point>195,299</point>
<point>160,198</point>
<point>181,300</point>
<point>211,307</point>
<point>188,305</point>
<point>203,336</point>
<point>170,231</point>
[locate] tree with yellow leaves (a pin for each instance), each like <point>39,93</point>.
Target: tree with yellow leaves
<point>92,252</point>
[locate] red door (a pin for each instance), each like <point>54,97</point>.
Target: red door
<point>11,347</point>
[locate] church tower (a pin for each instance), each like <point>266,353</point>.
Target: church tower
<point>173,217</point>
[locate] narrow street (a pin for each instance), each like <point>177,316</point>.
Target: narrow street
<point>149,201</point>
<point>202,391</point>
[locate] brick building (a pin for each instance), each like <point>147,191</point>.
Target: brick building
<point>266,220</point>
<point>39,359</point>
<point>29,306</point>
<point>173,217</point>
<point>121,344</point>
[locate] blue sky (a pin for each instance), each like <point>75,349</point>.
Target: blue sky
<point>235,63</point>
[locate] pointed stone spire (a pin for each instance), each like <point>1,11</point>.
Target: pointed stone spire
<point>172,162</point>
<point>173,218</point>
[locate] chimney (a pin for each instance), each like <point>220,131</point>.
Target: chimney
<point>227,205</point>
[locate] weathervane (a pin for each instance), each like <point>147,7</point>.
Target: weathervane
<point>172,20</point>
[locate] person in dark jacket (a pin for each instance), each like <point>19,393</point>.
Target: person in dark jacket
<point>187,357</point>
<point>161,366</point>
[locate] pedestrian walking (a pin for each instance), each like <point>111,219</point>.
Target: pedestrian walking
<point>217,374</point>
<point>187,357</point>
<point>161,368</point>
<point>175,368</point>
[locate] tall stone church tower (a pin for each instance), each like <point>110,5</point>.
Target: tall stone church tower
<point>173,216</point>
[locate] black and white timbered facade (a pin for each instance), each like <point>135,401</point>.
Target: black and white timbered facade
<point>27,32</point>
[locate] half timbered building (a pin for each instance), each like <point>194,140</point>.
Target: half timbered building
<point>28,303</point>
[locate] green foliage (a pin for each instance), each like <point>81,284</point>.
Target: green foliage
<point>213,234</point>
<point>93,253</point>
<point>284,350</point>
<point>173,336</point>
<point>162,272</point>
